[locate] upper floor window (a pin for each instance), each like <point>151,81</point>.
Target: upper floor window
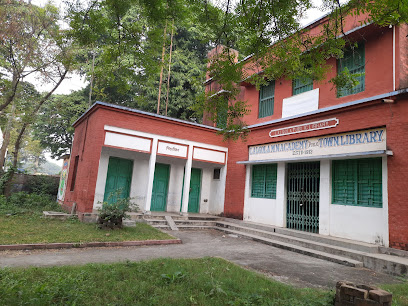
<point>266,100</point>
<point>354,61</point>
<point>301,85</point>
<point>222,116</point>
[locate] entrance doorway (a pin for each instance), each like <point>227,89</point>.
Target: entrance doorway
<point>195,191</point>
<point>118,179</point>
<point>303,196</point>
<point>160,187</point>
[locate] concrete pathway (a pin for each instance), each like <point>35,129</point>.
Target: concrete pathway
<point>285,266</point>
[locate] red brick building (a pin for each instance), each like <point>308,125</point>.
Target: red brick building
<point>316,159</point>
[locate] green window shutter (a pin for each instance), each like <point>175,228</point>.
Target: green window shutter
<point>354,61</point>
<point>369,183</point>
<point>258,179</point>
<point>302,85</point>
<point>266,100</point>
<point>357,182</point>
<point>270,181</point>
<point>264,179</point>
<point>344,182</point>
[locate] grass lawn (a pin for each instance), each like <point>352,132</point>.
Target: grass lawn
<point>399,293</point>
<point>32,228</point>
<point>207,281</point>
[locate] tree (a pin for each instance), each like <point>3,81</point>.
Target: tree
<point>271,33</point>
<point>53,127</point>
<point>30,43</point>
<point>129,38</point>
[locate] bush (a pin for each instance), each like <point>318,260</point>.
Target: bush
<point>42,184</point>
<point>112,214</point>
<point>22,202</point>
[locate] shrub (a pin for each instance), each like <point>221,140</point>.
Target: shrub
<point>42,184</point>
<point>22,202</point>
<point>112,214</point>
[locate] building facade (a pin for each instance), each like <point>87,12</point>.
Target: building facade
<point>316,159</point>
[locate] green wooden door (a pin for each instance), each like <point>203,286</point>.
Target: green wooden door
<point>160,187</point>
<point>118,179</point>
<point>195,190</point>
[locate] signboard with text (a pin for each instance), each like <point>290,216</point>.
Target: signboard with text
<point>351,142</point>
<point>306,127</point>
<point>172,149</point>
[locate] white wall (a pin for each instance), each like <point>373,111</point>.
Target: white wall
<point>266,211</point>
<point>139,182</point>
<point>367,224</point>
<point>175,187</point>
<point>216,201</point>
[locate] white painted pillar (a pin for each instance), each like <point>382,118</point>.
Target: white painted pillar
<point>280,209</point>
<point>324,197</point>
<point>386,235</point>
<point>152,166</point>
<point>247,192</point>
<point>187,177</point>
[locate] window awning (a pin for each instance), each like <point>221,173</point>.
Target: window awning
<point>310,158</point>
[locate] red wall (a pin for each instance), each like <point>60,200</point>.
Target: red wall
<point>375,114</point>
<point>378,79</point>
<point>89,139</point>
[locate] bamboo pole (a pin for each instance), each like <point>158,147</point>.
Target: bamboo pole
<point>161,69</point>
<point>168,75</point>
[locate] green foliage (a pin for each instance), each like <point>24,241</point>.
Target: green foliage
<point>206,281</point>
<point>25,203</point>
<point>113,212</point>
<point>172,278</point>
<point>5,178</point>
<point>53,127</point>
<point>42,184</point>
<point>346,80</point>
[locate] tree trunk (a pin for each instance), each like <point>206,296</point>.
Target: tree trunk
<point>6,138</point>
<point>10,95</point>
<point>17,144</point>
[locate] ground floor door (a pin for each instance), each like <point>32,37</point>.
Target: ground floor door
<point>195,191</point>
<point>118,179</point>
<point>303,181</point>
<point>160,187</point>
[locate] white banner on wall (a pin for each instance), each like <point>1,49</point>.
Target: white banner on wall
<point>351,142</point>
<point>127,142</point>
<point>209,155</point>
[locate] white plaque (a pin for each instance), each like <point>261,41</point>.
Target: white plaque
<point>168,148</point>
<point>209,155</point>
<point>128,142</point>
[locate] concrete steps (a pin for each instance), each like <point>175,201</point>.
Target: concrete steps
<point>342,251</point>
